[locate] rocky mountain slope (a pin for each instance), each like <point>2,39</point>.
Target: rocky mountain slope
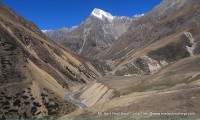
<point>172,93</point>
<point>154,69</point>
<point>164,35</point>
<point>157,66</point>
<point>36,73</point>
<point>96,33</point>
<point>56,35</point>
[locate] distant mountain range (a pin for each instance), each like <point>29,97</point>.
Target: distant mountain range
<point>154,65</point>
<point>120,42</point>
<point>93,35</point>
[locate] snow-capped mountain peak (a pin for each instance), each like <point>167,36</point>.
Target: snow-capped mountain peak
<point>45,31</point>
<point>100,13</point>
<point>138,15</point>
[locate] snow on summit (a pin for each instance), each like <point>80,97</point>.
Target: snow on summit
<point>100,13</point>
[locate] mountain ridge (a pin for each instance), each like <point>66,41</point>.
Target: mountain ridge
<point>96,33</point>
<point>154,63</point>
<point>35,72</point>
<point>107,67</point>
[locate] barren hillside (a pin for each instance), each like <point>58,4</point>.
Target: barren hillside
<point>143,68</point>
<point>36,73</point>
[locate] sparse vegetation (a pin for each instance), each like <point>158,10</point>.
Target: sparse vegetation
<point>25,97</point>
<point>36,104</point>
<point>33,110</point>
<point>17,103</point>
<point>171,52</point>
<point>36,73</point>
<point>26,103</point>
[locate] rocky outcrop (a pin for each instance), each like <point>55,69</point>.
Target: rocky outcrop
<point>154,57</point>
<point>56,35</point>
<point>96,93</point>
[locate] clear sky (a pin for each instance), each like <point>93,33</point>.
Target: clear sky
<point>53,14</point>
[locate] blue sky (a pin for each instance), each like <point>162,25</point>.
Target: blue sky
<point>53,14</point>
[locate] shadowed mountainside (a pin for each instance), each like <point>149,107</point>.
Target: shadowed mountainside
<point>36,73</point>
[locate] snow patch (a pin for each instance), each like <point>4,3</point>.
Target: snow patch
<point>45,31</point>
<point>73,27</point>
<point>138,15</point>
<point>59,29</point>
<point>100,14</point>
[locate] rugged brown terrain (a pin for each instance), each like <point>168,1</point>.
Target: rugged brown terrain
<point>164,35</point>
<point>94,34</point>
<point>35,72</point>
<point>175,89</point>
<point>150,71</point>
<point>154,66</point>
